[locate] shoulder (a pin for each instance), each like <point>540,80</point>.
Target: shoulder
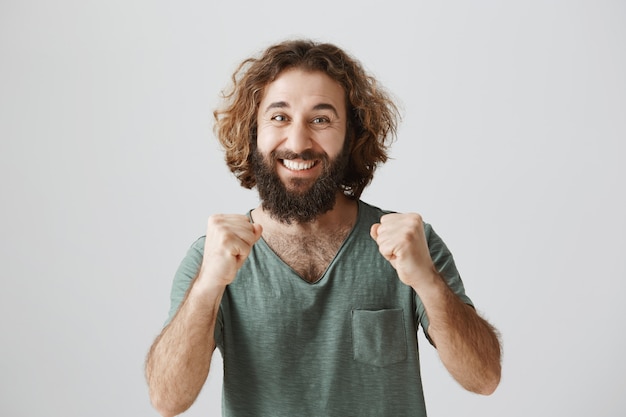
<point>198,245</point>
<point>369,211</point>
<point>372,212</point>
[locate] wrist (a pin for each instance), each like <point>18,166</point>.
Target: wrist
<point>214,275</point>
<point>429,284</point>
<point>206,290</point>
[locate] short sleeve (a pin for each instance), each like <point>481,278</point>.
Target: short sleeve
<point>444,263</point>
<point>185,274</point>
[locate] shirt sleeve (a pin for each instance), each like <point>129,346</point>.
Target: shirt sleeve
<point>185,274</point>
<point>444,263</point>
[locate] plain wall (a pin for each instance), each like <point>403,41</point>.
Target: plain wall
<point>511,146</point>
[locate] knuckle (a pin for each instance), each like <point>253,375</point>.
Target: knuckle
<point>215,219</point>
<point>415,220</point>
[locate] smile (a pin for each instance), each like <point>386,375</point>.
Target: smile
<point>298,166</point>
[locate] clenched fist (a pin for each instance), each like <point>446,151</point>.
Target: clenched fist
<point>229,239</point>
<point>401,240</point>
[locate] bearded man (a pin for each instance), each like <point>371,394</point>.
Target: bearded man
<point>314,297</point>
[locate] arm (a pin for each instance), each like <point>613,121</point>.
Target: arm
<point>467,344</point>
<point>179,359</point>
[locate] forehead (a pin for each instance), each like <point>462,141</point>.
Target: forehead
<point>300,87</point>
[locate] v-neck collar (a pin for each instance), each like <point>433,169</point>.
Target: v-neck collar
<point>339,252</point>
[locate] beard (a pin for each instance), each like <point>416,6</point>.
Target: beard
<point>300,200</point>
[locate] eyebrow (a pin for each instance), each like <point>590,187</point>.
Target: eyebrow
<point>285,105</point>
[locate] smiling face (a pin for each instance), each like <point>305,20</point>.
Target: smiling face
<point>300,157</point>
<point>301,116</point>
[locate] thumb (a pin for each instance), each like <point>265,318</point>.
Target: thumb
<point>258,230</point>
<point>374,231</point>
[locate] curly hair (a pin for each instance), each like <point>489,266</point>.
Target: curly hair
<point>372,115</point>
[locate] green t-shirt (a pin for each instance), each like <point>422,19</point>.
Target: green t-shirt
<point>343,346</point>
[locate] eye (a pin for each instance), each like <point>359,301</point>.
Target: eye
<point>279,118</point>
<point>320,120</point>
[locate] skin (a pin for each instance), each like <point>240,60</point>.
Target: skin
<point>306,111</point>
<point>301,111</point>
<point>467,345</point>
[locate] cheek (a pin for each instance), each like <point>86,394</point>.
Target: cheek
<point>333,147</point>
<point>265,140</point>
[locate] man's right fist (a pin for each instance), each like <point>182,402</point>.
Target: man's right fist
<point>229,239</point>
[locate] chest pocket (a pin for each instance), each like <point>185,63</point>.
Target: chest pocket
<point>378,336</point>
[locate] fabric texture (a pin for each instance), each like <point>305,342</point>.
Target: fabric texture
<point>345,345</point>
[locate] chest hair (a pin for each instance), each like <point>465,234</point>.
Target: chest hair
<point>308,255</point>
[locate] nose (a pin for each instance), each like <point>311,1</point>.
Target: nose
<point>299,137</point>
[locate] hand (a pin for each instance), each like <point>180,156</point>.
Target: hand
<point>401,240</point>
<point>229,239</point>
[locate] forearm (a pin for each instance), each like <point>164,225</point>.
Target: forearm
<point>467,344</point>
<point>179,360</point>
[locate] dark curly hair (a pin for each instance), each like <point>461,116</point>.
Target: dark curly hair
<point>372,115</point>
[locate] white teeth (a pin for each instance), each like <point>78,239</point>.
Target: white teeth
<point>298,166</point>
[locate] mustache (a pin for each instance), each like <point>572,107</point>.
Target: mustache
<point>307,155</point>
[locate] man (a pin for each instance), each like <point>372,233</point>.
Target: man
<point>314,297</point>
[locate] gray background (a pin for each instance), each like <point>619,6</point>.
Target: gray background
<point>512,146</point>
